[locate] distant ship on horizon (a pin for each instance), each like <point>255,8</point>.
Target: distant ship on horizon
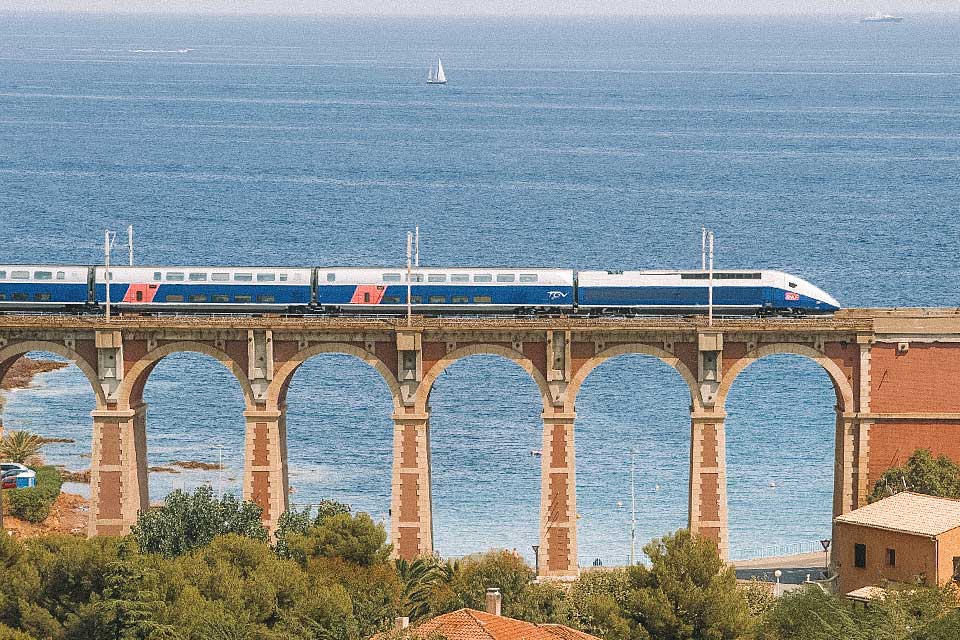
<point>881,17</point>
<point>436,76</point>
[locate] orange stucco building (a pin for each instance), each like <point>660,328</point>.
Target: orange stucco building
<point>907,538</point>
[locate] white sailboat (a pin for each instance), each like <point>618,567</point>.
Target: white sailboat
<point>436,76</point>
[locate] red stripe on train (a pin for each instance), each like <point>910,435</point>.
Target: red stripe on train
<point>368,294</point>
<point>140,293</point>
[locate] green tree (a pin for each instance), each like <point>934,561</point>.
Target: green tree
<point>187,521</point>
<point>597,603</point>
<point>921,473</point>
<point>473,575</point>
<point>420,578</point>
<point>20,446</point>
<point>687,593</point>
<point>329,508</point>
<point>357,539</point>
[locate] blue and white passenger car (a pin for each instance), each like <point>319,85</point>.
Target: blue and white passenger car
<point>44,287</point>
<point>240,289</point>
<point>734,291</point>
<point>445,290</point>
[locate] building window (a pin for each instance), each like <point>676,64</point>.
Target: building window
<point>860,556</point>
<point>956,568</point>
<point>891,557</point>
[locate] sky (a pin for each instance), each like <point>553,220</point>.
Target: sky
<point>486,7</point>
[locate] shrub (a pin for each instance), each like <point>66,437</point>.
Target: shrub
<point>33,503</point>
<point>20,446</point>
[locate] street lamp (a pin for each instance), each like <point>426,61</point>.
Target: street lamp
<point>536,558</point>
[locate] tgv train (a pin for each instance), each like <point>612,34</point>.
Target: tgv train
<point>433,291</point>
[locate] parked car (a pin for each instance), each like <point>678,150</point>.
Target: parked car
<point>25,477</point>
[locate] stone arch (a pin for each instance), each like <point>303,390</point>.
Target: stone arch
<point>277,392</point>
<point>841,385</point>
<point>13,351</point>
<point>130,392</point>
<point>641,349</point>
<point>426,385</point>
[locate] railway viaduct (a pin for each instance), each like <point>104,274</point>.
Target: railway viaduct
<point>894,373</point>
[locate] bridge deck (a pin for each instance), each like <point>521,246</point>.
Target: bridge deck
<point>846,320</point>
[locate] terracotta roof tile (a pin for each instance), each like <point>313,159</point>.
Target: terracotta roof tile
<point>469,624</point>
<point>908,512</point>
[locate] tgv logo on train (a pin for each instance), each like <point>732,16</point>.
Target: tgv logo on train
<point>432,291</point>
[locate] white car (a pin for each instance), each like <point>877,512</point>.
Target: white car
<point>25,477</point>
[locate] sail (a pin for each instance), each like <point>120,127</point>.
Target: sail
<point>441,77</point>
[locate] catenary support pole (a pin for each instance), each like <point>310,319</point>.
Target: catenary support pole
<point>409,279</point>
<point>710,286</point>
<point>106,263</point>
<point>130,242</point>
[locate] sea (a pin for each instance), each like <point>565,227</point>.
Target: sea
<point>816,145</point>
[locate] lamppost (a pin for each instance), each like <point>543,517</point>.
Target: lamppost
<point>536,558</point>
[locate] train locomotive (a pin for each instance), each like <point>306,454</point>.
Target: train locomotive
<point>434,291</point>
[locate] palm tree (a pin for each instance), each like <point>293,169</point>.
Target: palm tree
<point>419,578</point>
<point>20,446</point>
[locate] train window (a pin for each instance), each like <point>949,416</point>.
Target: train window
<point>528,277</point>
<point>459,277</point>
<point>198,277</point>
<point>61,275</point>
<point>20,275</point>
<point>793,285</point>
<point>139,296</point>
<point>437,277</point>
<point>157,275</point>
<point>460,299</point>
<point>43,275</point>
<point>242,298</point>
<point>20,297</point>
<point>391,277</point>
<point>220,277</point>
<point>283,277</point>
<point>416,299</point>
<point>438,299</point>
<point>220,298</point>
<point>331,277</point>
<point>198,298</point>
<point>391,299</point>
<point>506,277</point>
<point>694,276</point>
<point>483,277</point>
<point>366,296</point>
<point>175,276</point>
<point>416,277</point>
<point>266,277</point>
<point>243,277</point>
<point>41,297</point>
<point>3,297</point>
<point>174,298</point>
<point>482,299</point>
<point>3,275</point>
<point>266,299</point>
